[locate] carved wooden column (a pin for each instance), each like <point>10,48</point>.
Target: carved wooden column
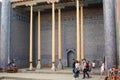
<point>53,35</point>
<point>82,33</point>
<point>60,66</point>
<point>39,40</point>
<point>78,30</point>
<point>31,37</point>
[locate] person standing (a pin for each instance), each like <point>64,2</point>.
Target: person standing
<point>76,69</point>
<point>102,68</point>
<point>73,64</point>
<point>85,68</point>
<point>93,64</point>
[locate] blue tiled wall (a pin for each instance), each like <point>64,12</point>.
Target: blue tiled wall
<point>93,35</point>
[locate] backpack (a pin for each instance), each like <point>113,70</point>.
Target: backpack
<point>87,65</point>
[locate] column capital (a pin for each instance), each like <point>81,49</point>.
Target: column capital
<point>81,5</point>
<point>38,60</point>
<point>39,10</point>
<point>60,7</point>
<point>81,0</point>
<point>31,4</point>
<point>52,1</point>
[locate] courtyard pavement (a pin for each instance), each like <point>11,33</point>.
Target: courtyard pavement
<point>46,74</point>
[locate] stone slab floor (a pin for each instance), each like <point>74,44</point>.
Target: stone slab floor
<point>47,74</point>
<point>44,76</point>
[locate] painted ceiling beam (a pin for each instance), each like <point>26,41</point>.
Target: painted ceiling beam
<point>58,5</point>
<point>63,5</point>
<point>34,2</point>
<point>94,1</point>
<point>15,0</point>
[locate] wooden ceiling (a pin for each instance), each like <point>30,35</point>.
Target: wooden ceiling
<point>43,4</point>
<point>33,0</point>
<point>18,1</point>
<point>60,1</point>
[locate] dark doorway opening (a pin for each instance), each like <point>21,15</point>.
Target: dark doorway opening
<point>70,56</point>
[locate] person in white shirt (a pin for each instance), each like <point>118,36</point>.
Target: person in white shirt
<point>93,64</point>
<point>102,68</point>
<point>76,69</point>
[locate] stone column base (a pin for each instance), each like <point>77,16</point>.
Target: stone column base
<point>39,65</point>
<point>53,67</point>
<point>118,66</point>
<point>60,66</point>
<point>31,67</point>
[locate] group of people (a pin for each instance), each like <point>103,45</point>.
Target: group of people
<point>85,67</point>
<point>113,74</point>
<point>11,67</point>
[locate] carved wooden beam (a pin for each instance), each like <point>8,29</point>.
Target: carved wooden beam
<point>30,2</point>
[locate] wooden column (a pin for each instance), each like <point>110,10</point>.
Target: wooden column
<point>59,34</point>
<point>59,39</point>
<point>78,31</point>
<point>39,41</point>
<point>82,33</point>
<point>53,36</point>
<point>31,36</point>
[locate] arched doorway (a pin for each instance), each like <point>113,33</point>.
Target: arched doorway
<point>70,56</point>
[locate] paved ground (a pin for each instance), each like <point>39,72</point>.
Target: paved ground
<point>39,76</point>
<point>45,74</point>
